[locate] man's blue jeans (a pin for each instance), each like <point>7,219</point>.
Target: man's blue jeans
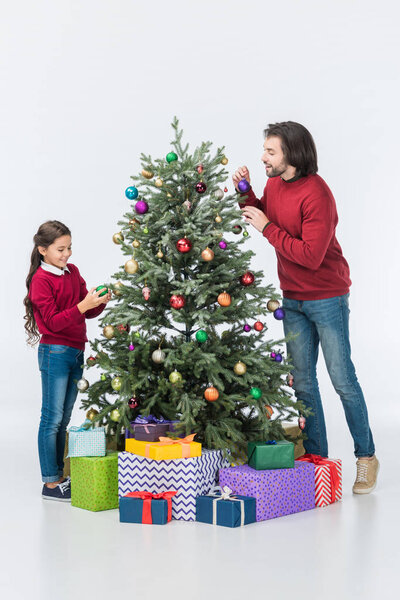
<point>61,367</point>
<point>326,322</point>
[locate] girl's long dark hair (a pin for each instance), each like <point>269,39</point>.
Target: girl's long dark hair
<point>46,235</point>
<point>298,146</point>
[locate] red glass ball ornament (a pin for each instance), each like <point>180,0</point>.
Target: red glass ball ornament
<point>201,187</point>
<point>247,278</point>
<point>121,328</point>
<point>200,168</point>
<point>177,301</point>
<point>258,326</point>
<point>225,189</point>
<point>133,403</point>
<point>184,245</point>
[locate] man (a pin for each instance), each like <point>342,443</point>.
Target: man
<point>297,215</point>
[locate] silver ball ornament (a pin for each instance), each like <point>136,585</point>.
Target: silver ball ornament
<point>82,384</point>
<point>158,356</point>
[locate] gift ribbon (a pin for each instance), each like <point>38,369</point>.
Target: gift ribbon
<point>165,441</point>
<point>147,497</point>
<point>225,493</point>
<point>271,443</point>
<point>334,475</point>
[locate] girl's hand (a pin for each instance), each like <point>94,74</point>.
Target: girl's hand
<point>241,173</point>
<point>255,217</point>
<point>92,300</point>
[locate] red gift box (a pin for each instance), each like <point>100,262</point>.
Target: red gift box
<point>328,478</point>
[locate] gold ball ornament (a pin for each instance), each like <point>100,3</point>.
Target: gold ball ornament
<point>134,223</point>
<point>159,182</point>
<point>108,332</point>
<point>116,383</point>
<point>147,174</point>
<point>207,254</point>
<point>117,288</point>
<point>160,254</point>
<point>91,414</point>
<point>218,219</point>
<point>136,243</point>
<point>118,238</point>
<point>240,368</point>
<point>131,266</point>
<point>224,160</point>
<point>272,305</point>
<point>175,377</point>
<point>115,415</point>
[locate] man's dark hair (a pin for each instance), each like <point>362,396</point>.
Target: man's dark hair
<point>298,146</point>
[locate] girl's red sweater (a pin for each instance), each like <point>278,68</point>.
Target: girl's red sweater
<point>303,216</point>
<point>55,299</point>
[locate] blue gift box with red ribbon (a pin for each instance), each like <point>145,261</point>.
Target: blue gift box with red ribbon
<point>146,507</point>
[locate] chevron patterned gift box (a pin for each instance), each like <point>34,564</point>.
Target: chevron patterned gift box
<point>191,477</point>
<point>328,478</point>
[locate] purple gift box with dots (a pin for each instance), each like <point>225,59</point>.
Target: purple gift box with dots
<point>278,492</point>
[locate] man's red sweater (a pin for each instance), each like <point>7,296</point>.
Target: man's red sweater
<point>303,216</point>
<point>55,299</point>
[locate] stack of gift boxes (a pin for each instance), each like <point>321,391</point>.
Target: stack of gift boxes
<point>158,478</point>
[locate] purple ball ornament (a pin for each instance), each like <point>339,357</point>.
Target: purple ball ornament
<point>279,314</point>
<point>141,207</point>
<point>247,328</point>
<point>222,244</point>
<point>131,347</point>
<point>278,357</point>
<point>243,186</point>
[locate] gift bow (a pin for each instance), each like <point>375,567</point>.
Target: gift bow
<point>143,420</point>
<point>147,497</point>
<point>333,472</point>
<point>165,441</point>
<point>87,424</point>
<point>225,493</point>
<point>271,443</point>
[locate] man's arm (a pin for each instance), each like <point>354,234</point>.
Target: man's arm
<point>319,220</point>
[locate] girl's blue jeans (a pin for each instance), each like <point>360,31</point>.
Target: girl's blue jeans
<point>326,322</point>
<point>61,367</point>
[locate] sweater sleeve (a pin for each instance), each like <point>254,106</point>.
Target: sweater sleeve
<point>249,199</point>
<point>318,225</point>
<point>83,291</point>
<point>42,298</point>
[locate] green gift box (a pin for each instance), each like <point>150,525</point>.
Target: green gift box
<point>94,482</point>
<point>270,455</point>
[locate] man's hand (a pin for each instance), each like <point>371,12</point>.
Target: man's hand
<point>255,217</point>
<point>241,173</point>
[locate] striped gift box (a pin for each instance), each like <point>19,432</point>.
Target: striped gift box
<point>328,478</point>
<point>86,442</point>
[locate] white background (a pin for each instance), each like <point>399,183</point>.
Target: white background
<point>87,85</point>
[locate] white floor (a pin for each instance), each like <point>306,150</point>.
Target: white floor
<point>348,550</point>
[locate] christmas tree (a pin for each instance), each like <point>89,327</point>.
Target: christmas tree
<point>184,338</point>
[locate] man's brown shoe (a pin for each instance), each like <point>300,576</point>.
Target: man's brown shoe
<point>367,473</point>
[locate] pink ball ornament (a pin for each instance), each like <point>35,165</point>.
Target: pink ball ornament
<point>131,347</point>
<point>222,244</point>
<point>146,292</point>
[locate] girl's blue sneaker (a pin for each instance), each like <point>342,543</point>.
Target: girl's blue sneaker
<point>62,492</point>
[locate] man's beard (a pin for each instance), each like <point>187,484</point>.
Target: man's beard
<point>277,171</point>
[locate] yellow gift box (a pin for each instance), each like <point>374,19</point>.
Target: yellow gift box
<point>165,449</point>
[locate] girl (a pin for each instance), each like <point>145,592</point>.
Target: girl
<point>57,305</point>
